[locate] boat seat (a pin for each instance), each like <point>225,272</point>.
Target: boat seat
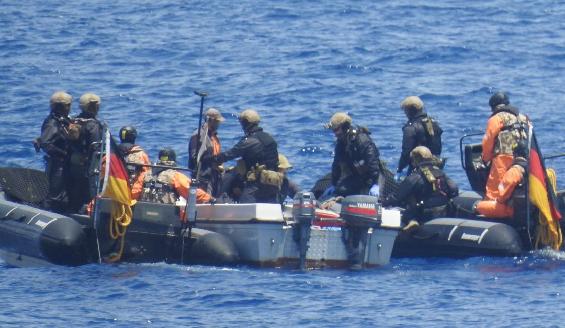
<point>23,185</point>
<point>255,212</point>
<point>477,173</point>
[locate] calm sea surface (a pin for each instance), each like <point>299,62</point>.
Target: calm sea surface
<point>296,62</point>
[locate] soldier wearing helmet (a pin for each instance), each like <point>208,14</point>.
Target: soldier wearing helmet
<point>289,188</point>
<point>86,132</point>
<point>259,152</point>
<point>356,164</point>
<point>134,154</point>
<point>209,173</point>
<point>54,141</point>
<point>506,128</point>
<point>426,192</point>
<point>166,185</point>
<point>419,130</point>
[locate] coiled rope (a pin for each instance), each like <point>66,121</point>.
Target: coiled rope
<point>120,220</point>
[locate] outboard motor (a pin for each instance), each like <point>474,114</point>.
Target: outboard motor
<point>360,213</point>
<point>303,213</point>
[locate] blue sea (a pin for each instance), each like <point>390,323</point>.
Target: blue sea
<point>296,62</point>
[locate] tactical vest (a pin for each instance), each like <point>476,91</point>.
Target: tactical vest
<point>439,189</point>
<point>134,154</point>
<point>158,188</point>
<point>428,133</point>
<point>262,167</point>
<point>268,156</point>
<point>514,130</point>
<point>82,150</point>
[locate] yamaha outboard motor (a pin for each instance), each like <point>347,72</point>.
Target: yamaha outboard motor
<point>360,213</point>
<point>303,212</point>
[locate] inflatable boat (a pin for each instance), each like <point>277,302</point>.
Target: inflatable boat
<point>465,234</point>
<point>31,236</point>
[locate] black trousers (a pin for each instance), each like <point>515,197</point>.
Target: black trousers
<point>57,171</point>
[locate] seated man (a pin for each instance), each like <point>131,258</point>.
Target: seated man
<point>501,207</point>
<point>426,192</point>
<point>288,188</point>
<point>167,185</point>
<point>134,154</point>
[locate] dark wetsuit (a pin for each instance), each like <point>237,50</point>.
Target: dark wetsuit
<point>415,133</point>
<point>422,199</point>
<point>356,163</point>
<point>54,142</point>
<point>84,160</point>
<point>256,147</point>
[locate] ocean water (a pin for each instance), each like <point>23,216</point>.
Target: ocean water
<point>296,62</point>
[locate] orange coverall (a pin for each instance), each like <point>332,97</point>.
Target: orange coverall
<point>499,207</point>
<point>499,163</point>
<point>181,183</point>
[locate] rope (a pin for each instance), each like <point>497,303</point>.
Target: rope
<point>121,219</point>
<point>549,231</point>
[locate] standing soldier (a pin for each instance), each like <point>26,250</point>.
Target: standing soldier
<point>506,130</point>
<point>259,152</point>
<point>209,173</point>
<point>356,164</point>
<point>136,155</point>
<point>87,132</point>
<point>419,130</point>
<point>54,143</point>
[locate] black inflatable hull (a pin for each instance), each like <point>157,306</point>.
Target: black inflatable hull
<point>33,237</point>
<point>30,236</point>
<point>458,238</point>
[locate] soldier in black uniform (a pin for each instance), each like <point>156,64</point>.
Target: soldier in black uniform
<point>87,133</point>
<point>426,192</point>
<point>259,152</point>
<point>419,130</point>
<point>54,142</point>
<point>356,165</point>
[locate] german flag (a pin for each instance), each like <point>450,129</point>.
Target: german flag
<point>116,179</point>
<point>116,187</point>
<point>542,196</point>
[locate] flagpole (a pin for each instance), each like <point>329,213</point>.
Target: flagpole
<point>189,216</point>
<point>527,186</point>
<point>99,192</point>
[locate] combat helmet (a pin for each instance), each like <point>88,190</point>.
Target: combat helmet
<point>337,120</point>
<point>90,103</point>
<point>412,103</point>
<point>128,134</point>
<point>60,102</point>
<point>249,116</point>
<point>420,154</point>
<point>283,162</point>
<point>167,155</point>
<point>499,98</point>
